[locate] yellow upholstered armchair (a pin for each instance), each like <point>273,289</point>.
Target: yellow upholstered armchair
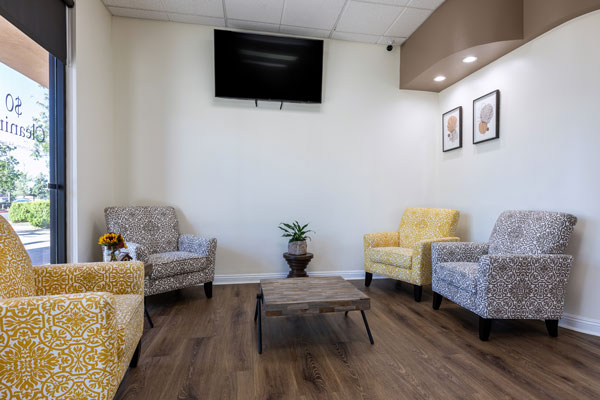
<point>406,254</point>
<point>66,331</point>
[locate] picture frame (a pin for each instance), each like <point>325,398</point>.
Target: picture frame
<point>486,117</point>
<point>452,122</point>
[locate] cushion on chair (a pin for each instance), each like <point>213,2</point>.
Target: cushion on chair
<point>176,263</point>
<point>155,228</point>
<point>462,275</point>
<point>130,308</point>
<point>531,232</point>
<point>426,223</point>
<point>396,256</point>
<point>16,272</point>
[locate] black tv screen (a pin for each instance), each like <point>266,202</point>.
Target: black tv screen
<point>265,67</point>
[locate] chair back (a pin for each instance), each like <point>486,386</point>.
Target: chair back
<point>426,223</point>
<point>16,272</point>
<point>531,232</point>
<point>156,228</point>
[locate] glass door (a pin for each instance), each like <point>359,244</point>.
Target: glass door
<point>32,144</point>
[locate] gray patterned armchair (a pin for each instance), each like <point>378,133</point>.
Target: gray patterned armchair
<point>152,236</point>
<point>521,273</point>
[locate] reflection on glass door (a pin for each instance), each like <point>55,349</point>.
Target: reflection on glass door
<point>24,161</point>
<point>25,140</point>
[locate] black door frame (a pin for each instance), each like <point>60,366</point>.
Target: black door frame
<point>57,173</point>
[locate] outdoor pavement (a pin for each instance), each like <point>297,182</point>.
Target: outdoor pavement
<point>36,241</point>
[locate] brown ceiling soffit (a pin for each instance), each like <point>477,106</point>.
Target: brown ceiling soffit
<point>22,54</point>
<point>487,29</point>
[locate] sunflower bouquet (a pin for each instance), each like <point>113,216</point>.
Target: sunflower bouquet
<point>112,243</point>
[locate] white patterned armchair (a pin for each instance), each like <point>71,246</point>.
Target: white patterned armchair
<point>521,273</point>
<point>152,236</point>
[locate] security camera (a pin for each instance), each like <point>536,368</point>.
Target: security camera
<point>390,46</point>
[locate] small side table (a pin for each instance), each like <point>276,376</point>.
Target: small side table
<point>147,274</point>
<point>298,264</point>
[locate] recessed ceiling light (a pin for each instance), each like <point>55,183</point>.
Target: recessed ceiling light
<point>469,59</point>
<point>439,78</point>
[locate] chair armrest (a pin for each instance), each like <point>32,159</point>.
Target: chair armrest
<point>458,252</point>
<point>206,247</point>
<point>381,239</point>
<point>137,252</point>
<point>47,340</point>
<point>125,277</point>
<point>421,262</point>
<point>426,244</point>
<point>523,286</point>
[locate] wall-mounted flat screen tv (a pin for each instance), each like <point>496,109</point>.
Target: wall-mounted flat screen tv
<point>265,67</point>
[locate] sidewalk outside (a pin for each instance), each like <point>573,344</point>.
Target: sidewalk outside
<point>36,241</point>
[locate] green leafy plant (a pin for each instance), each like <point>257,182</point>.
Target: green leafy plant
<point>18,212</point>
<point>295,231</point>
<point>9,174</point>
<point>39,216</point>
<point>37,213</point>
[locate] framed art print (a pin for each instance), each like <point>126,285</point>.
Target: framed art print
<point>452,129</point>
<point>486,117</point>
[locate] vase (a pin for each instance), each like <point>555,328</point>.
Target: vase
<point>297,248</point>
<point>110,253</point>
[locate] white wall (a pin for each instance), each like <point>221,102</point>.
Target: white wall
<point>547,156</point>
<point>348,166</point>
<point>90,145</point>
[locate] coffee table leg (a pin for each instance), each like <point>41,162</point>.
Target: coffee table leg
<point>346,314</point>
<point>258,326</point>
<point>256,310</point>
<point>367,326</point>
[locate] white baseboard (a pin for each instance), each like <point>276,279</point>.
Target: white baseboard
<point>233,279</point>
<point>580,324</point>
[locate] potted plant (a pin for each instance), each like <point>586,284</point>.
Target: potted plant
<point>111,243</point>
<point>298,235</point>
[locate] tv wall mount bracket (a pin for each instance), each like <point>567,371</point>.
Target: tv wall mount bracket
<point>256,104</point>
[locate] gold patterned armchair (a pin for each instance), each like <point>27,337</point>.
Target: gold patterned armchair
<point>66,331</point>
<point>405,255</point>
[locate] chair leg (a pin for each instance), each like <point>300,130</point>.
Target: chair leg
<point>437,300</point>
<point>148,315</point>
<point>418,292</point>
<point>208,289</point>
<point>552,326</point>
<point>485,327</point>
<point>148,318</point>
<point>368,278</point>
<point>136,355</point>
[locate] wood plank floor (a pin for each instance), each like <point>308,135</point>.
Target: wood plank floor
<point>206,349</point>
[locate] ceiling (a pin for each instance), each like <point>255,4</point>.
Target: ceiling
<point>368,21</point>
<point>483,29</point>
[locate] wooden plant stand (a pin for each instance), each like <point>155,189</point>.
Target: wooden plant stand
<point>298,264</point>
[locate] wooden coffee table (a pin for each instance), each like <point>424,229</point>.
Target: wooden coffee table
<point>298,296</point>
